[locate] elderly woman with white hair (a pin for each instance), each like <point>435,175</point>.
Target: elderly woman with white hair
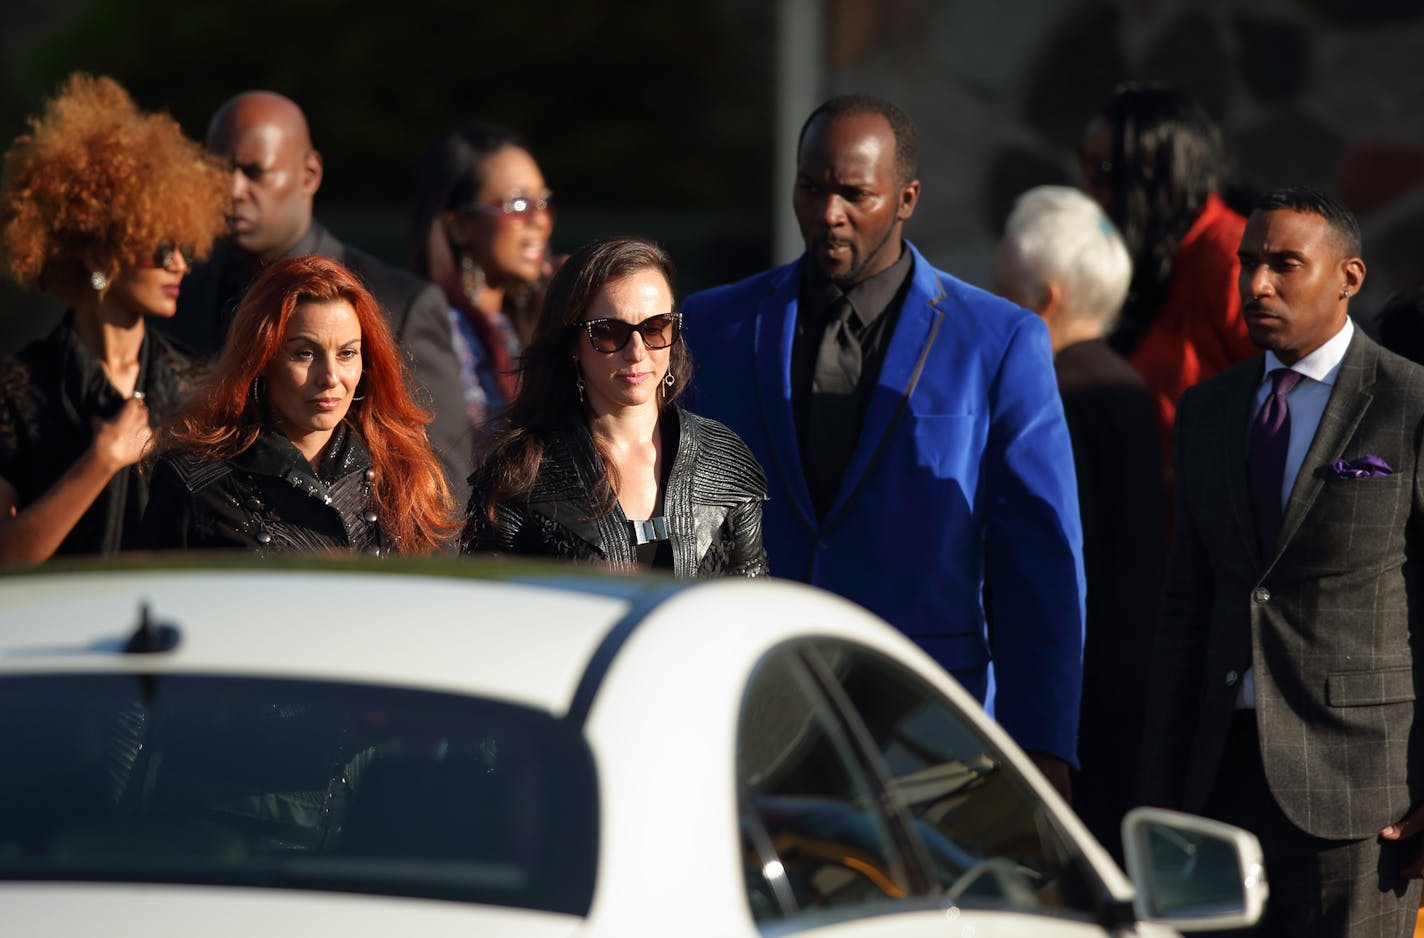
<point>1061,257</point>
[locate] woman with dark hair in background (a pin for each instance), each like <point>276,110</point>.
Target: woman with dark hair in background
<point>481,227</point>
<point>1157,164</point>
<point>103,207</point>
<point>594,460</point>
<point>304,437</point>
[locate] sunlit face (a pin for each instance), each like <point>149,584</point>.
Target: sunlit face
<point>1294,277</point>
<point>147,289</point>
<point>849,199</point>
<point>313,376</point>
<point>273,181</point>
<point>509,247</point>
<point>629,378</point>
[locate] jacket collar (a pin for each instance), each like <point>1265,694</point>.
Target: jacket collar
<point>563,492</point>
<point>85,390</point>
<point>274,455</point>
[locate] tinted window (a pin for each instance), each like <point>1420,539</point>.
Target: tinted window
<point>813,837</point>
<point>300,784</point>
<point>989,840</point>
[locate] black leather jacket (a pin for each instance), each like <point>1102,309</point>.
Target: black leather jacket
<point>267,499</point>
<point>711,503</point>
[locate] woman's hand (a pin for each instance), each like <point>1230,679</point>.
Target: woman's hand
<point>124,440</point>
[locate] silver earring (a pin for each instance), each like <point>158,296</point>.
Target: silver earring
<point>257,390</point>
<point>472,278</point>
<point>1345,295</point>
<point>98,281</point>
<point>578,383</point>
<point>669,379</point>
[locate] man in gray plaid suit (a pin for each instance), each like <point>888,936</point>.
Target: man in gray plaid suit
<point>1285,680</point>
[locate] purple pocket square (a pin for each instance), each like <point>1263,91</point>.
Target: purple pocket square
<point>1366,467</point>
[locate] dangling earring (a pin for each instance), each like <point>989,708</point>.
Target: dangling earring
<point>669,379</point>
<point>257,384</point>
<point>472,278</point>
<point>98,281</point>
<point>578,383</point>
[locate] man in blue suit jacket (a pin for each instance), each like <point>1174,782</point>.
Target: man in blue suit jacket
<point>911,432</point>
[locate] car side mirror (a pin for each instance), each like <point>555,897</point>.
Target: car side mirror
<point>1191,873</point>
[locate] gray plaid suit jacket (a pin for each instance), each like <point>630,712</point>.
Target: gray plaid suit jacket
<point>1330,619</point>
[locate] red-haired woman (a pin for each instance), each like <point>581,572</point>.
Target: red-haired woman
<point>304,437</point>
<point>103,208</point>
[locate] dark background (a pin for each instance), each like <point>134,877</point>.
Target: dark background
<point>646,117</point>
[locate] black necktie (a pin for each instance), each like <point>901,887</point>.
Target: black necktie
<point>834,411</point>
<point>1270,437</point>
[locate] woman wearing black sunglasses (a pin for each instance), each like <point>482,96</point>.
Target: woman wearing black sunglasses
<point>594,460</point>
<point>100,205</point>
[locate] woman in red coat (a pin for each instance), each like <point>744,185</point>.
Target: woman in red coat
<point>1156,163</point>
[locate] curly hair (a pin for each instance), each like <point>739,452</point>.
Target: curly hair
<point>96,184</point>
<point>223,418</point>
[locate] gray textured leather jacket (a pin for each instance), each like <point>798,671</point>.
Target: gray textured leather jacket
<point>711,506</point>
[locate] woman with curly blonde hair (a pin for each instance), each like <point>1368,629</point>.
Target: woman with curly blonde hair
<point>103,207</point>
<point>303,437</point>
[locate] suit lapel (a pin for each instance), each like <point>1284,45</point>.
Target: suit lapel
<point>1349,400</point>
<point>775,329</point>
<point>914,334</point>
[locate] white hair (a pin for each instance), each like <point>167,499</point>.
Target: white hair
<point>1059,235</point>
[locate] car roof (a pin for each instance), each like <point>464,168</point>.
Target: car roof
<point>523,633</point>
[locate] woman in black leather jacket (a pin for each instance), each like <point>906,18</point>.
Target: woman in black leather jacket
<point>304,437</point>
<point>594,461</point>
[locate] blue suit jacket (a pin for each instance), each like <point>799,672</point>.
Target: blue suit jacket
<point>963,473</point>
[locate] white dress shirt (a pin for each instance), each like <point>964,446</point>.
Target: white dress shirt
<point>1306,403</point>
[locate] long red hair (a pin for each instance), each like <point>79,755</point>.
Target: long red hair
<point>225,417</point>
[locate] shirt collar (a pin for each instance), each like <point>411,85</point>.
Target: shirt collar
<point>872,296</point>
<point>1321,365</point>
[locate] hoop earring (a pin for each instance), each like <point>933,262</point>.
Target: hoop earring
<point>257,394</point>
<point>98,281</point>
<point>358,397</point>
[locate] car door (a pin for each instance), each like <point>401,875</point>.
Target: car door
<point>871,805</point>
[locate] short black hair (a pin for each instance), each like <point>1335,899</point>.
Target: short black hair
<point>906,137</point>
<point>1312,201</point>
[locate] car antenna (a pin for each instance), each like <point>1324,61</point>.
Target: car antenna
<point>151,637</point>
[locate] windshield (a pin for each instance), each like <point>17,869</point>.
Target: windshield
<point>251,782</point>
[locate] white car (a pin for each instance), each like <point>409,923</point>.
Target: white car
<point>532,751</point>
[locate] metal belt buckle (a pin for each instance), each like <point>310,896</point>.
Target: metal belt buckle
<point>645,532</point>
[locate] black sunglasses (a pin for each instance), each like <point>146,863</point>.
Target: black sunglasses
<point>163,254</point>
<point>611,335</point>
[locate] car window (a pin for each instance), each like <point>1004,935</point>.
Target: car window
<point>236,781</point>
<point>988,838</point>
<point>813,837</point>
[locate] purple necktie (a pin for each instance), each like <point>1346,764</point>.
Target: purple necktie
<point>1270,436</point>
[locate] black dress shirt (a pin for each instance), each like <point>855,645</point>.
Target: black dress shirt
<point>50,392</point>
<point>877,301</point>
